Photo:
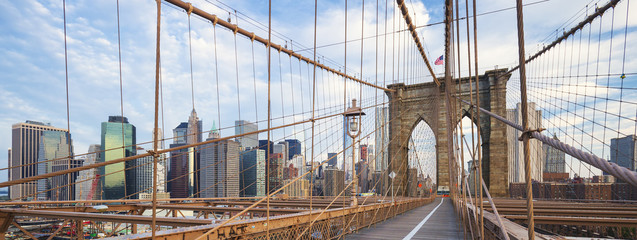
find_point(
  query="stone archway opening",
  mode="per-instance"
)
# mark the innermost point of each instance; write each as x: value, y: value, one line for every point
x: 422, y: 156
x: 469, y: 146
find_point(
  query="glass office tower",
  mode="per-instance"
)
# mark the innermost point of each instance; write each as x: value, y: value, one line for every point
x: 118, y: 141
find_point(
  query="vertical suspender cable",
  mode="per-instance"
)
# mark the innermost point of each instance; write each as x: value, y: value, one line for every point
x: 236, y: 67
x: 475, y: 187
x: 461, y: 208
x: 68, y: 118
x: 345, y: 107
x: 478, y: 146
x: 192, y: 82
x: 448, y: 88
x: 121, y: 99
x: 313, y: 106
x: 525, y: 121
x: 267, y: 164
x: 156, y: 134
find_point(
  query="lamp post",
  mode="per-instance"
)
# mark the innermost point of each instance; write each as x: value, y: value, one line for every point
x: 353, y: 116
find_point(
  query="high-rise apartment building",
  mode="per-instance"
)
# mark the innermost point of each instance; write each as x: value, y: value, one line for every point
x: 118, y: 141
x: 252, y: 180
x: 555, y: 159
x: 25, y: 146
x: 516, y: 150
x: 220, y: 168
x: 381, y: 138
x: 247, y: 141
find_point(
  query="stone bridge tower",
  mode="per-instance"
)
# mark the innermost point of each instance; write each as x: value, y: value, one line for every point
x: 410, y: 104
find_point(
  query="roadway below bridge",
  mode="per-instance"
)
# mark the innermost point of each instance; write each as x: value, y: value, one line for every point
x: 436, y: 220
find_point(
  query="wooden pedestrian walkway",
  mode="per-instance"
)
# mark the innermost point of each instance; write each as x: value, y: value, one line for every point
x: 419, y: 223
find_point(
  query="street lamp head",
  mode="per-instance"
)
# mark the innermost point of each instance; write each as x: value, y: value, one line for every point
x: 353, y: 115
x: 354, y: 110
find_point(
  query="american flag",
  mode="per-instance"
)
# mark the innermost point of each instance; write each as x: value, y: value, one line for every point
x: 439, y: 61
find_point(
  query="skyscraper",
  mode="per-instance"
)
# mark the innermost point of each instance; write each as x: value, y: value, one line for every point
x: 194, y: 128
x: 363, y: 181
x: 266, y: 146
x: 179, y: 133
x: 118, y: 141
x: 178, y: 162
x: 56, y: 145
x: 332, y: 159
x: 25, y: 143
x: 274, y: 171
x: 252, y: 180
x: 516, y: 150
x: 623, y: 151
x: 250, y: 140
x: 282, y: 148
x: 363, y: 152
x: 294, y: 147
x: 144, y: 174
x: 194, y: 136
x: 334, y: 182
x: 178, y: 172
x: 160, y: 137
x: 555, y: 159
x: 347, y: 146
x: 382, y: 138
x: 220, y: 168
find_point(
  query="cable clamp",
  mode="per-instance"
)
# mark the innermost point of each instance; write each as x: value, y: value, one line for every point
x: 253, y: 36
x: 236, y: 29
x: 529, y: 133
x: 190, y: 8
x: 153, y: 153
x: 214, y: 22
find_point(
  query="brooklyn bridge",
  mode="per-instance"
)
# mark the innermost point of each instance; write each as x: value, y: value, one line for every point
x: 323, y: 120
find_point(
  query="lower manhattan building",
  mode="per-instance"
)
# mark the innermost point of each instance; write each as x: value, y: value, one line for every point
x: 144, y: 174
x: 555, y: 159
x: 219, y: 168
x: 516, y: 149
x: 86, y: 178
x: 623, y: 151
x: 118, y: 141
x: 178, y: 185
x: 334, y: 182
x: 252, y: 177
x: 53, y: 153
x: 25, y: 146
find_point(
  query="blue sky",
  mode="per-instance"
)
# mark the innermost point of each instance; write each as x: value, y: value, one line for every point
x: 32, y: 70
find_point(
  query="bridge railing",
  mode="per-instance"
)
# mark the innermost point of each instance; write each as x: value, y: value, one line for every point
x: 330, y: 224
